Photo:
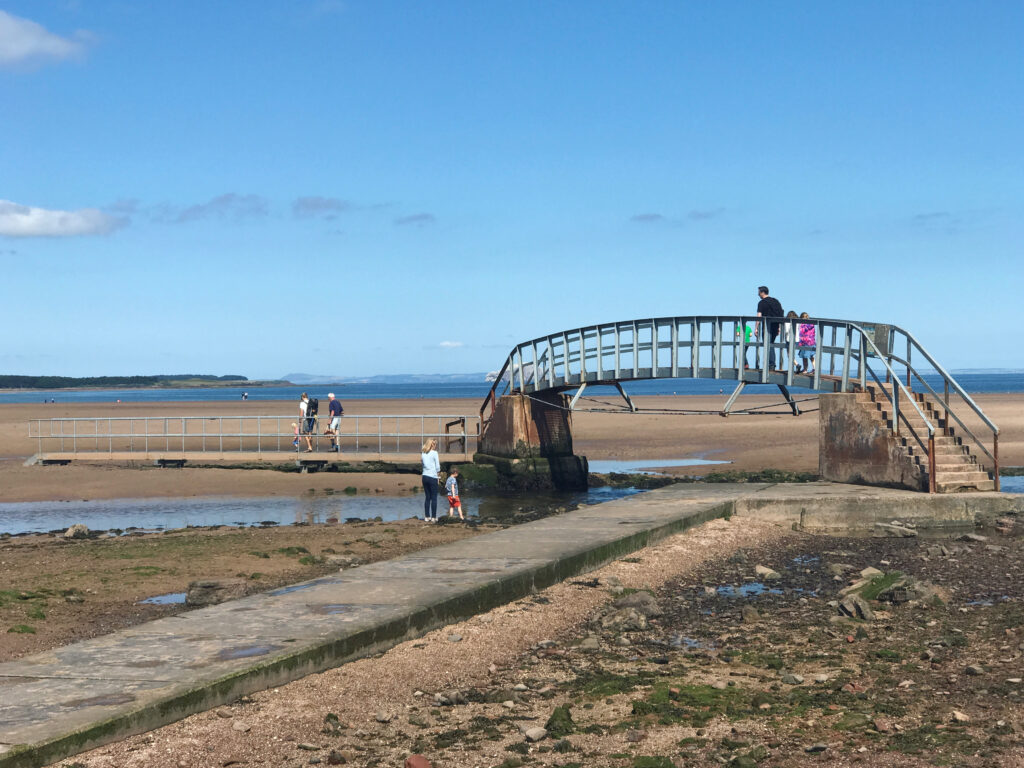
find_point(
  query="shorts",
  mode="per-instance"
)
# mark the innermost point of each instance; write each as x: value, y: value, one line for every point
x: 335, y: 423
x: 308, y: 425
x: 453, y: 501
x: 806, y: 353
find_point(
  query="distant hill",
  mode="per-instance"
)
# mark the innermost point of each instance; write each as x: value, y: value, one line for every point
x: 398, y: 378
x: 114, y: 382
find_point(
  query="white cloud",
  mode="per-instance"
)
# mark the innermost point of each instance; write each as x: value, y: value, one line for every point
x: 25, y: 221
x: 451, y: 344
x: 24, y: 42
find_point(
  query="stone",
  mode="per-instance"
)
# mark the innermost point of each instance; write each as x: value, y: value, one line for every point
x: 589, y: 643
x: 625, y: 620
x: 334, y: 757
x: 417, y: 761
x: 341, y: 562
x: 1013, y: 680
x: 975, y: 537
x: 975, y: 670
x: 870, y: 573
x: 767, y: 574
x: 634, y: 736
x: 212, y: 591
x: 454, y: 638
x: 76, y: 531
x: 383, y: 717
x: 837, y: 569
x: 520, y: 687
x: 749, y: 614
x: 959, y: 717
x: 856, y: 607
x: 791, y: 679
x: 535, y: 734
x: 815, y: 748
x: 822, y: 678
x: 508, y: 704
x: 241, y: 726
x: 643, y: 602
x: 894, y: 531
x: 882, y: 725
x: 719, y: 685
x: 306, y: 747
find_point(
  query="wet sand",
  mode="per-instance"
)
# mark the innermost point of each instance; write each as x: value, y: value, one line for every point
x: 751, y: 442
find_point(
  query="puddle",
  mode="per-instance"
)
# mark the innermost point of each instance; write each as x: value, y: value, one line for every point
x: 171, y: 598
x: 298, y: 587
x: 806, y: 560
x: 645, y: 466
x: 678, y: 641
x: 123, y: 516
x: 246, y: 651
x: 332, y: 609
x: 750, y: 589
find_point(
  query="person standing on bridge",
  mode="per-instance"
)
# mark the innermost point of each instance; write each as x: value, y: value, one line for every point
x: 307, y: 421
x: 431, y: 470
x: 335, y: 411
x: 769, y: 307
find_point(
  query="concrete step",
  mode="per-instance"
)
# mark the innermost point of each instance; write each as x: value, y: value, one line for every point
x: 961, y: 477
x: 965, y: 466
x: 960, y: 487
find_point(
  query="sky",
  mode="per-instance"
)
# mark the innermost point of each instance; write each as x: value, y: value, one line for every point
x: 354, y: 188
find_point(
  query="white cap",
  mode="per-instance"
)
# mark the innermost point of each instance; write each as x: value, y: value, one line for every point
x: 330, y: 394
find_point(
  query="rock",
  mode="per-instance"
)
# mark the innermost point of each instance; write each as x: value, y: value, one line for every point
x: 976, y: 537
x: 1013, y: 680
x: 519, y: 687
x: 560, y: 723
x: 643, y: 602
x: 837, y: 569
x: 76, y: 531
x: 454, y: 638
x: 417, y: 761
x: 634, y: 736
x: 535, y: 734
x: 856, y: 607
x: 241, y: 726
x: 306, y: 747
x: 790, y: 679
x: 749, y: 614
x: 870, y: 573
x: 975, y: 670
x: 212, y: 591
x: 589, y: 643
x: 719, y: 685
x: 894, y: 531
x: 882, y: 725
x: 822, y: 678
x: 342, y: 562
x: 622, y: 641
x: 624, y: 620
x: 611, y: 581
x: 767, y: 574
x: 383, y: 717
x: 815, y: 748
x: 959, y: 717
x: 508, y: 704
x: 334, y: 757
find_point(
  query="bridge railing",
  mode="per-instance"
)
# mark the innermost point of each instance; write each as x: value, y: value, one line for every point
x: 380, y: 434
x: 845, y: 355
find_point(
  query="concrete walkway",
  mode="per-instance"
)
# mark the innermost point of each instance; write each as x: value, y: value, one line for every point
x: 64, y: 701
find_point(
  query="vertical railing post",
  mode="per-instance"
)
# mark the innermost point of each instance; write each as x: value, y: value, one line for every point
x: 931, y: 461
x: 695, y: 352
x: 896, y: 409
x: 675, y: 350
x: 995, y: 459
x: 845, y: 383
x: 863, y: 366
x: 945, y: 400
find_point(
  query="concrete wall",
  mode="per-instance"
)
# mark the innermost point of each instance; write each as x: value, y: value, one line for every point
x: 854, y: 446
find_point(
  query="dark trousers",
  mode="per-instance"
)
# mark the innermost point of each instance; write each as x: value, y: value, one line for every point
x: 773, y: 334
x: 429, y: 497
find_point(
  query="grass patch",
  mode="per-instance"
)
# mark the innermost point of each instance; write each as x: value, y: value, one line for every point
x: 696, y: 704
x: 22, y: 629
x: 599, y: 684
x: 762, y: 660
x: 879, y: 584
x: 296, y: 550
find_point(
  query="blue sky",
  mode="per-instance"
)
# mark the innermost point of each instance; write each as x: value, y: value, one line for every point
x: 358, y: 188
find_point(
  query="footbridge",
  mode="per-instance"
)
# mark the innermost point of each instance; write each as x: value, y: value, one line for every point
x: 889, y: 413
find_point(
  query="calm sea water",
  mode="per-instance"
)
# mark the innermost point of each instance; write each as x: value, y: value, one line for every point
x: 975, y: 382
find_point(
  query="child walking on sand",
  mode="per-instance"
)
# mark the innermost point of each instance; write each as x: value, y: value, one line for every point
x: 451, y: 486
x: 295, y: 430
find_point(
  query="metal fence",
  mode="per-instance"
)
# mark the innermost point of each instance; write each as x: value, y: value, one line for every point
x: 378, y: 434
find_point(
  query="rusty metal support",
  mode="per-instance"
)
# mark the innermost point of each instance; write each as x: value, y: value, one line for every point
x: 995, y: 454
x: 931, y: 462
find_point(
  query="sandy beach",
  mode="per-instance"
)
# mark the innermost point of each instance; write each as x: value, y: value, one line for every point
x: 750, y: 442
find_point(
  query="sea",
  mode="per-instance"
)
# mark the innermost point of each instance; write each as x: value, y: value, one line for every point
x: 974, y: 382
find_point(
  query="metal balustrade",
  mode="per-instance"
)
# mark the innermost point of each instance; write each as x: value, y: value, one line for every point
x: 380, y: 434
x: 847, y: 355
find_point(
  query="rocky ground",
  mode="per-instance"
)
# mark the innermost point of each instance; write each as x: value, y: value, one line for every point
x: 732, y: 644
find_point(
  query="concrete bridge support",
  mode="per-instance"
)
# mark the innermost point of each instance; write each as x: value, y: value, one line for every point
x: 856, y: 446
x: 529, y: 440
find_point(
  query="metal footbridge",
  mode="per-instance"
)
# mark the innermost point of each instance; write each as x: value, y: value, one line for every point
x: 847, y: 356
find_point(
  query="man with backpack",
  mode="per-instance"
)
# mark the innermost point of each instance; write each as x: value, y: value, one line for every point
x: 769, y: 307
x: 307, y: 419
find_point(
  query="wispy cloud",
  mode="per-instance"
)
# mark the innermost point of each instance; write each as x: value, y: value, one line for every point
x: 450, y: 344
x: 227, y: 206
x: 26, y: 221
x: 704, y: 215
x: 931, y: 218
x: 415, y: 220
x: 26, y: 43
x: 319, y: 207
x: 647, y: 218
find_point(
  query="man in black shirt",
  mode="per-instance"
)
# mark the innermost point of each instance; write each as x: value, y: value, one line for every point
x: 769, y: 307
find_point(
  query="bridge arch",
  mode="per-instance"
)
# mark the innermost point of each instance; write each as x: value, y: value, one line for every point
x: 877, y: 360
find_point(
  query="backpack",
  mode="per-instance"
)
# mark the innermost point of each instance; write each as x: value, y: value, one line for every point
x: 313, y: 407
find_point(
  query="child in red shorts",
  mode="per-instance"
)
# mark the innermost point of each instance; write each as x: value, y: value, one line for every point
x: 451, y: 486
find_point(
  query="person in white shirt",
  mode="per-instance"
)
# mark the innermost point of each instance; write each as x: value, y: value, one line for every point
x: 431, y: 470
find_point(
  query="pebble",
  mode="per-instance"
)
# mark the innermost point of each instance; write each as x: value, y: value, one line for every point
x: 767, y: 573
x: 241, y: 726
x: 509, y: 704
x: 975, y: 670
x: 383, y: 717
x: 823, y: 678
x: 535, y: 734
x: 417, y: 761
x: 455, y: 638
x: 870, y: 573
x: 334, y: 757
x: 790, y: 679
x: 306, y: 747
x: 519, y: 687
x: 814, y: 748
x: 719, y: 685
x: 1013, y: 680
x: 959, y: 717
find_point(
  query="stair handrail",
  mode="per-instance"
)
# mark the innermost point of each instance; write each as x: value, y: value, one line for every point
x: 950, y: 382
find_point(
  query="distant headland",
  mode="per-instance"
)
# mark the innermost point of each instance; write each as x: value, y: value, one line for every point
x: 131, y: 382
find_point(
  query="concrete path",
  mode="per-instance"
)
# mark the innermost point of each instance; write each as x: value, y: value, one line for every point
x: 64, y: 701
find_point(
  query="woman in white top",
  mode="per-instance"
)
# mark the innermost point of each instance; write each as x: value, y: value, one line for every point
x: 431, y: 469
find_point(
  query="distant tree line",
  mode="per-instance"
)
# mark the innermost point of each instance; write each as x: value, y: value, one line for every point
x: 66, y: 382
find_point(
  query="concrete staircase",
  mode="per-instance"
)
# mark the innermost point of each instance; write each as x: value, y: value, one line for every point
x: 956, y: 468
